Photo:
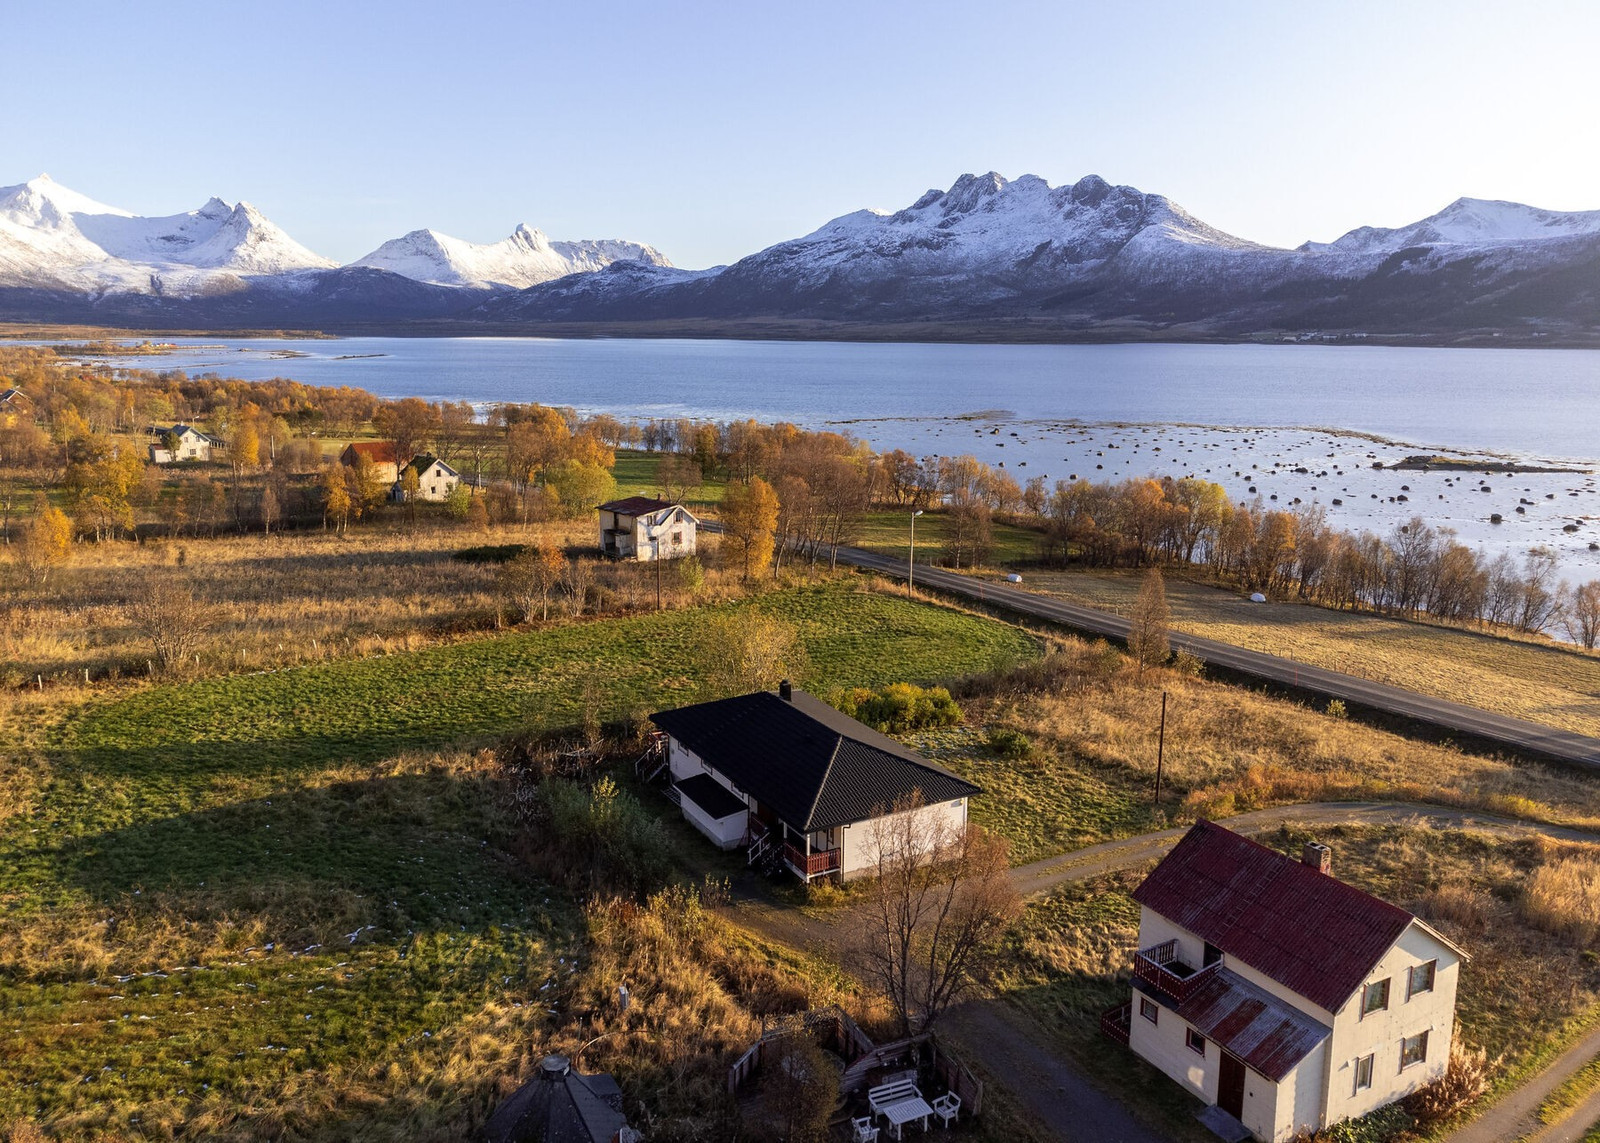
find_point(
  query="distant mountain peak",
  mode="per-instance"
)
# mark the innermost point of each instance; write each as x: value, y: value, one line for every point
x: 525, y: 258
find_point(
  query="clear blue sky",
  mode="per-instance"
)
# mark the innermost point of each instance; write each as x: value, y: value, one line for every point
x: 713, y: 129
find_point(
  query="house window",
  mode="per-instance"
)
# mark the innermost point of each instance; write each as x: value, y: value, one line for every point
x: 1413, y: 1050
x: 1420, y: 978
x: 677, y: 537
x: 1211, y: 955
x: 1196, y: 1042
x: 1375, y: 997
x: 1364, y: 1073
x: 1148, y: 1010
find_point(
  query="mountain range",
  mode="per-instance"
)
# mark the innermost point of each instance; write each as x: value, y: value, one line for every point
x: 986, y: 257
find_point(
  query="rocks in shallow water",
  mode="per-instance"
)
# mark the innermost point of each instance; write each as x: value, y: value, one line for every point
x: 1495, y: 519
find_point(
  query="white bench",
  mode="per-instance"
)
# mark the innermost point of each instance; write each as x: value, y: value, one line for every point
x: 883, y: 1095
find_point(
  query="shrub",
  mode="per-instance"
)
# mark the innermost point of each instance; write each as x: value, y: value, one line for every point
x: 1336, y: 709
x: 489, y: 553
x: 898, y: 707
x: 601, y: 835
x: 1464, y: 1081
x: 1008, y: 743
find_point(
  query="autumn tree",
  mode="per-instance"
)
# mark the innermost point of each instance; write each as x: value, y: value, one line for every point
x: 743, y: 650
x: 410, y: 422
x: 969, y: 530
x: 46, y: 541
x: 1147, y: 625
x: 337, y: 503
x: 529, y: 580
x: 678, y: 476
x: 940, y: 898
x: 1582, y: 615
x: 750, y: 521
x: 580, y: 486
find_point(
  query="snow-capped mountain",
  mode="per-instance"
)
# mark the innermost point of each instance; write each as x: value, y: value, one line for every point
x: 1469, y: 222
x: 987, y: 257
x: 524, y: 259
x: 53, y: 237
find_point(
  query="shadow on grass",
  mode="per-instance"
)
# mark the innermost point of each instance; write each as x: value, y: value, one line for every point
x: 405, y: 853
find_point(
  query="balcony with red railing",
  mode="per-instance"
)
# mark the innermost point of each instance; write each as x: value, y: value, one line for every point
x: 810, y: 865
x: 1161, y: 968
x: 1116, y: 1023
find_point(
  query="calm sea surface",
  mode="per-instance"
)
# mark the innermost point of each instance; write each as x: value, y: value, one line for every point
x: 1542, y: 402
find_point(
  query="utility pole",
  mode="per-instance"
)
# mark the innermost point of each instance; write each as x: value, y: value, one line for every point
x: 1161, y: 747
x: 911, y: 561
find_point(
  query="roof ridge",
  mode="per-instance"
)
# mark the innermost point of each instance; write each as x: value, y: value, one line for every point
x: 833, y: 756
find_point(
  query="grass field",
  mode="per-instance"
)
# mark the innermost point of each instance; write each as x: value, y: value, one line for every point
x: 1070, y: 958
x: 1557, y: 685
x: 889, y: 533
x: 290, y: 902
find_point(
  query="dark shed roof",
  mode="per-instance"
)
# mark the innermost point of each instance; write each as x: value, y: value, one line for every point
x: 559, y: 1105
x: 636, y: 505
x: 815, y: 767
x: 1308, y: 931
x: 711, y: 796
x: 1263, y: 1031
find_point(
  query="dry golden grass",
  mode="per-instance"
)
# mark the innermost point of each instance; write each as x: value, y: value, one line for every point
x: 1534, y: 679
x: 291, y: 598
x: 1563, y: 898
x: 1230, y: 749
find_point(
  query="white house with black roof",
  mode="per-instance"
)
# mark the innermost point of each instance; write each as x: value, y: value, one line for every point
x: 798, y: 783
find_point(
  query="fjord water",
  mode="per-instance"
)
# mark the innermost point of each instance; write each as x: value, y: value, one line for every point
x: 1290, y: 424
x: 1535, y: 402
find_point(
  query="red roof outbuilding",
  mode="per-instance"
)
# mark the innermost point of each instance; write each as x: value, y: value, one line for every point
x: 378, y: 452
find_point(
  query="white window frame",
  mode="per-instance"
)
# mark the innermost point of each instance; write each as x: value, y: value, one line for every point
x: 1367, y: 1009
x: 1189, y: 1037
x: 1367, y: 1061
x: 1411, y: 978
x: 1149, y: 1009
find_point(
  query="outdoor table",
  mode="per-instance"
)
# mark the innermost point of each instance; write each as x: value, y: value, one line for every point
x: 903, y: 1112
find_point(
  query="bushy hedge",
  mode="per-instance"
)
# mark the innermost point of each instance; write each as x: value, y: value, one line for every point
x: 898, y: 707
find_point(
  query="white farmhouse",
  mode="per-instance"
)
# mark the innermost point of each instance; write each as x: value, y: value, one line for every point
x: 643, y: 528
x: 186, y: 443
x: 798, y: 784
x: 435, y: 479
x: 1279, y: 995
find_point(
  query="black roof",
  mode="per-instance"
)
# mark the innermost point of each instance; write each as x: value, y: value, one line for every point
x: 559, y: 1105
x: 711, y: 796
x: 636, y: 505
x: 815, y: 767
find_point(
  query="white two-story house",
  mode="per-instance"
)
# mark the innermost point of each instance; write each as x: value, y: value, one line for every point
x: 643, y: 528
x: 181, y: 443
x: 1278, y: 994
x: 800, y: 785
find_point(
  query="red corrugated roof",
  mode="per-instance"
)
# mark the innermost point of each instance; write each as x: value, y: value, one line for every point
x: 636, y: 505
x: 378, y: 452
x: 1308, y: 931
x: 1263, y: 1031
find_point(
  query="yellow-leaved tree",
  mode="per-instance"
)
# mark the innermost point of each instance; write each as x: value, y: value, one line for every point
x: 750, y: 520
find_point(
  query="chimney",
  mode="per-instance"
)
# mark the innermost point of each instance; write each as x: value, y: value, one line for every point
x: 553, y: 1068
x: 785, y: 691
x: 1318, y: 856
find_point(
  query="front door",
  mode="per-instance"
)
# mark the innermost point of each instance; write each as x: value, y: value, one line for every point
x: 1230, y: 1086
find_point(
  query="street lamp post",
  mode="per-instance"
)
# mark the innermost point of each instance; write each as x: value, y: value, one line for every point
x: 911, y: 561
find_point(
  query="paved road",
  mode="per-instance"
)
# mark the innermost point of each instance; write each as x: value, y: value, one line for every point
x: 1561, y: 745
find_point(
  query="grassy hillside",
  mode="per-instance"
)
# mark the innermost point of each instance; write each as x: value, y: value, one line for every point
x: 290, y: 901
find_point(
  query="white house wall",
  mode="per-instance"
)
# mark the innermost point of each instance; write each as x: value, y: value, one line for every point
x: 1300, y: 1097
x: 725, y: 833
x: 859, y: 853
x: 1380, y: 1033
x: 1162, y: 1044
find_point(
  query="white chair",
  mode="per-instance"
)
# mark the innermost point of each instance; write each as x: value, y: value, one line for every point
x: 947, y: 1107
x: 865, y: 1132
